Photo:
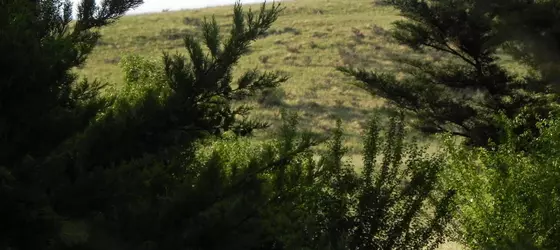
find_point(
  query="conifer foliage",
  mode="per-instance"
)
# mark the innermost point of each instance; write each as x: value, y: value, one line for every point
x: 165, y: 163
x: 533, y: 27
x: 462, y: 94
x: 39, y: 94
x: 105, y: 172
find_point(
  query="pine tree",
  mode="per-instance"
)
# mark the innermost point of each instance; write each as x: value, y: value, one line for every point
x: 41, y: 103
x: 81, y: 170
x: 462, y: 94
x: 40, y: 94
x: 533, y: 27
x: 165, y: 163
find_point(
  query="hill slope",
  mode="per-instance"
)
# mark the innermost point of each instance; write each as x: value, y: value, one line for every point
x: 308, y: 41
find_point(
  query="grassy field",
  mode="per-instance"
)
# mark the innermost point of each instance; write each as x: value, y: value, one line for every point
x: 308, y: 41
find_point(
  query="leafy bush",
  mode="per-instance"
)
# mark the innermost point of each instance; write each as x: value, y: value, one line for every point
x: 395, y: 203
x: 509, y: 198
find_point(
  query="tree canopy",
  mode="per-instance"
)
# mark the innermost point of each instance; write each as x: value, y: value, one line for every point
x: 464, y: 93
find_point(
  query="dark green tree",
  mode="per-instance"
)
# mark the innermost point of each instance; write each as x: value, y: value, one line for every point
x: 163, y: 164
x: 85, y: 171
x: 41, y: 102
x: 39, y: 94
x: 534, y: 30
x: 463, y: 93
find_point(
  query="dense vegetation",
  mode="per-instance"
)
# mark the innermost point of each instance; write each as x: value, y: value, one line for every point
x: 168, y: 160
x: 463, y: 93
x: 510, y: 199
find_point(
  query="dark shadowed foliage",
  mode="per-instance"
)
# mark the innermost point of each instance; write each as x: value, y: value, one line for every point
x: 464, y: 92
x: 165, y: 162
x: 90, y: 171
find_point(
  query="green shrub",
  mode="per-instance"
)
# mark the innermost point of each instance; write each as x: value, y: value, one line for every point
x: 509, y: 198
x: 395, y: 203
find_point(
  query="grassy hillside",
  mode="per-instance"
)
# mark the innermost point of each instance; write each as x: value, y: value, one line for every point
x: 308, y: 41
